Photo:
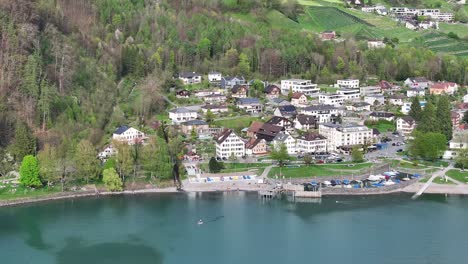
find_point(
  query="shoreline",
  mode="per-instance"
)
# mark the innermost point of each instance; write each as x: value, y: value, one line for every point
x: 433, y: 189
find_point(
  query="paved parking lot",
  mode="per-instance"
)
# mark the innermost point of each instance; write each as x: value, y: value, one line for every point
x: 390, y: 151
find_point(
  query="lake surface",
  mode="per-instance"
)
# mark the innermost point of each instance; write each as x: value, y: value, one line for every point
x: 238, y: 228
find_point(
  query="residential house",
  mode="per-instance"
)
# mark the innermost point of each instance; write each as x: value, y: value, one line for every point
x: 193, y: 125
x: 107, y: 152
x: 311, y: 143
x: 269, y: 131
x: 328, y: 35
x: 345, y: 135
x: 413, y: 92
x: 203, y: 93
x: 305, y: 122
x: 370, y: 90
x: 396, y: 99
x: 190, y: 77
x: 287, y: 111
x: 286, y: 139
x: 228, y: 82
x: 347, y: 83
x: 298, y: 99
x: 239, y: 91
x: 214, y: 77
x: 179, y: 115
x: 253, y: 129
x: 443, y: 88
x: 250, y: 105
x: 255, y: 146
x: 459, y: 141
x: 214, y: 98
x: 331, y: 99
x: 358, y: 107
x: 323, y: 113
x: 456, y: 118
x: 388, y: 87
x: 229, y: 144
x: 272, y: 91
x: 374, y: 99
x: 183, y: 94
x: 382, y: 116
x: 215, y: 108
x: 282, y: 122
x: 405, y: 125
x: 128, y: 135
x: 417, y: 82
x: 350, y: 94
x: 375, y: 44
x: 299, y: 86
x: 378, y: 9
x: 406, y: 107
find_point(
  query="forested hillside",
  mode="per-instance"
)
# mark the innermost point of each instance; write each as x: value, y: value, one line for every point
x: 76, y: 69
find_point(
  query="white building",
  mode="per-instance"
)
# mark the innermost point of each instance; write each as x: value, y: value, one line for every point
x: 413, y: 92
x: 323, y: 113
x: 180, y: 115
x: 406, y: 107
x: 350, y: 94
x: 375, y: 44
x: 331, y: 99
x: 229, y: 144
x: 458, y: 142
x: 129, y: 135
x: 214, y: 77
x: 397, y: 99
x: 107, y: 152
x: 379, y: 9
x: 299, y: 99
x: 405, y: 125
x: 347, y: 83
x: 345, y: 135
x: 370, y: 90
x: 465, y: 98
x: 299, y: 86
x: 311, y: 143
x: 286, y: 139
x: 190, y: 77
x: 417, y: 82
x: 372, y: 99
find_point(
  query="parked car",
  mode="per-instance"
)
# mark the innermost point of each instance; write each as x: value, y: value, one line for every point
x: 339, y: 160
x: 399, y: 150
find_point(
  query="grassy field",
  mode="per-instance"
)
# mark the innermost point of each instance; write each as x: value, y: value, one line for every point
x: 458, y: 175
x: 10, y: 192
x: 318, y: 170
x: 237, y: 167
x: 383, y: 126
x: 236, y: 123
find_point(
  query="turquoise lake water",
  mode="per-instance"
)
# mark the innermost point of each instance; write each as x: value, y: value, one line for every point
x: 238, y: 228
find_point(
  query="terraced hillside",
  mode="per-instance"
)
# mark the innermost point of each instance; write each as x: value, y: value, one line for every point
x: 440, y: 43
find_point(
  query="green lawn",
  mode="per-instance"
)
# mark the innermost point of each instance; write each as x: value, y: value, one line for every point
x: 10, y: 192
x: 458, y: 175
x: 317, y: 170
x: 237, y: 167
x: 383, y: 126
x: 236, y: 123
x: 437, y: 180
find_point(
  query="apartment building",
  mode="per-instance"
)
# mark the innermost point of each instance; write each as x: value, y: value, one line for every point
x: 345, y: 135
x: 229, y: 144
x: 299, y: 86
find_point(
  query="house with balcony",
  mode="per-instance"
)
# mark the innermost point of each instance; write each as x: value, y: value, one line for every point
x: 214, y: 77
x: 229, y: 144
x: 182, y: 114
x: 227, y: 82
x: 331, y: 99
x: 305, y: 122
x: 239, y: 91
x: 190, y: 77
x: 299, y: 86
x: 250, y: 105
x: 405, y: 125
x: 347, y: 83
x: 311, y: 143
x: 350, y: 94
x: 417, y: 82
x: 128, y: 135
x: 348, y: 135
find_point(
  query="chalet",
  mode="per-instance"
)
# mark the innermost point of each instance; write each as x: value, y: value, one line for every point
x: 253, y: 128
x: 250, y: 105
x: 193, y: 125
x: 396, y: 99
x: 283, y: 122
x: 417, y: 82
x: 286, y: 139
x: 215, y: 108
x: 190, y: 77
x: 288, y: 111
x: 382, y: 116
x: 443, y: 88
x: 214, y: 77
x: 405, y: 125
x: 311, y: 143
x: 255, y: 146
x: 413, y: 92
x: 128, y: 135
x: 239, y: 91
x: 305, y: 122
x: 272, y: 91
x: 269, y: 131
x: 229, y: 144
x: 298, y: 99
x: 328, y: 35
x: 183, y: 94
x: 179, y: 115
x: 228, y: 82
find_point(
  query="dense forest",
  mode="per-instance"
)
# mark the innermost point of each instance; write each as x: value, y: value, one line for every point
x: 73, y: 70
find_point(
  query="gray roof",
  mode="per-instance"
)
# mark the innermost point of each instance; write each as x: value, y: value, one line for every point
x: 319, y: 108
x: 248, y: 101
x: 121, y: 129
x: 182, y: 110
x: 195, y: 123
x: 188, y: 74
x: 281, y: 137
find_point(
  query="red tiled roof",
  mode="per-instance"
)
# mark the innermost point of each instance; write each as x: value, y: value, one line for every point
x: 297, y: 95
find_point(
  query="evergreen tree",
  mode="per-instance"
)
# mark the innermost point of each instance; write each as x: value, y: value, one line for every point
x: 444, y: 119
x: 29, y: 172
x: 24, y: 143
x: 46, y: 98
x: 415, y: 111
x: 428, y: 119
x: 214, y: 165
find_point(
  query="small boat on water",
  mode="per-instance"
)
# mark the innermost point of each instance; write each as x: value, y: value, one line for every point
x: 200, y: 222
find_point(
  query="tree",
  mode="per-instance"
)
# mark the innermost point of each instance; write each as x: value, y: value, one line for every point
x: 443, y: 117
x: 244, y: 64
x: 357, y: 155
x: 25, y: 143
x: 428, y: 121
x: 209, y: 116
x: 428, y: 146
x: 31, y: 75
x: 155, y: 158
x: 112, y: 180
x: 462, y: 158
x: 415, y: 111
x: 465, y: 118
x: 123, y: 158
x: 29, y: 172
x: 280, y: 154
x: 87, y: 164
x: 6, y: 162
x: 45, y: 100
x: 308, y: 159
x: 48, y: 165
x: 214, y: 165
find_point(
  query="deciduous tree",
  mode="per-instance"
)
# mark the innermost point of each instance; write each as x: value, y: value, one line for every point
x: 280, y: 155
x: 87, y: 164
x: 112, y: 180
x: 29, y: 172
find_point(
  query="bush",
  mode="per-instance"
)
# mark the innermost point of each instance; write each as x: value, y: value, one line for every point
x: 112, y: 181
